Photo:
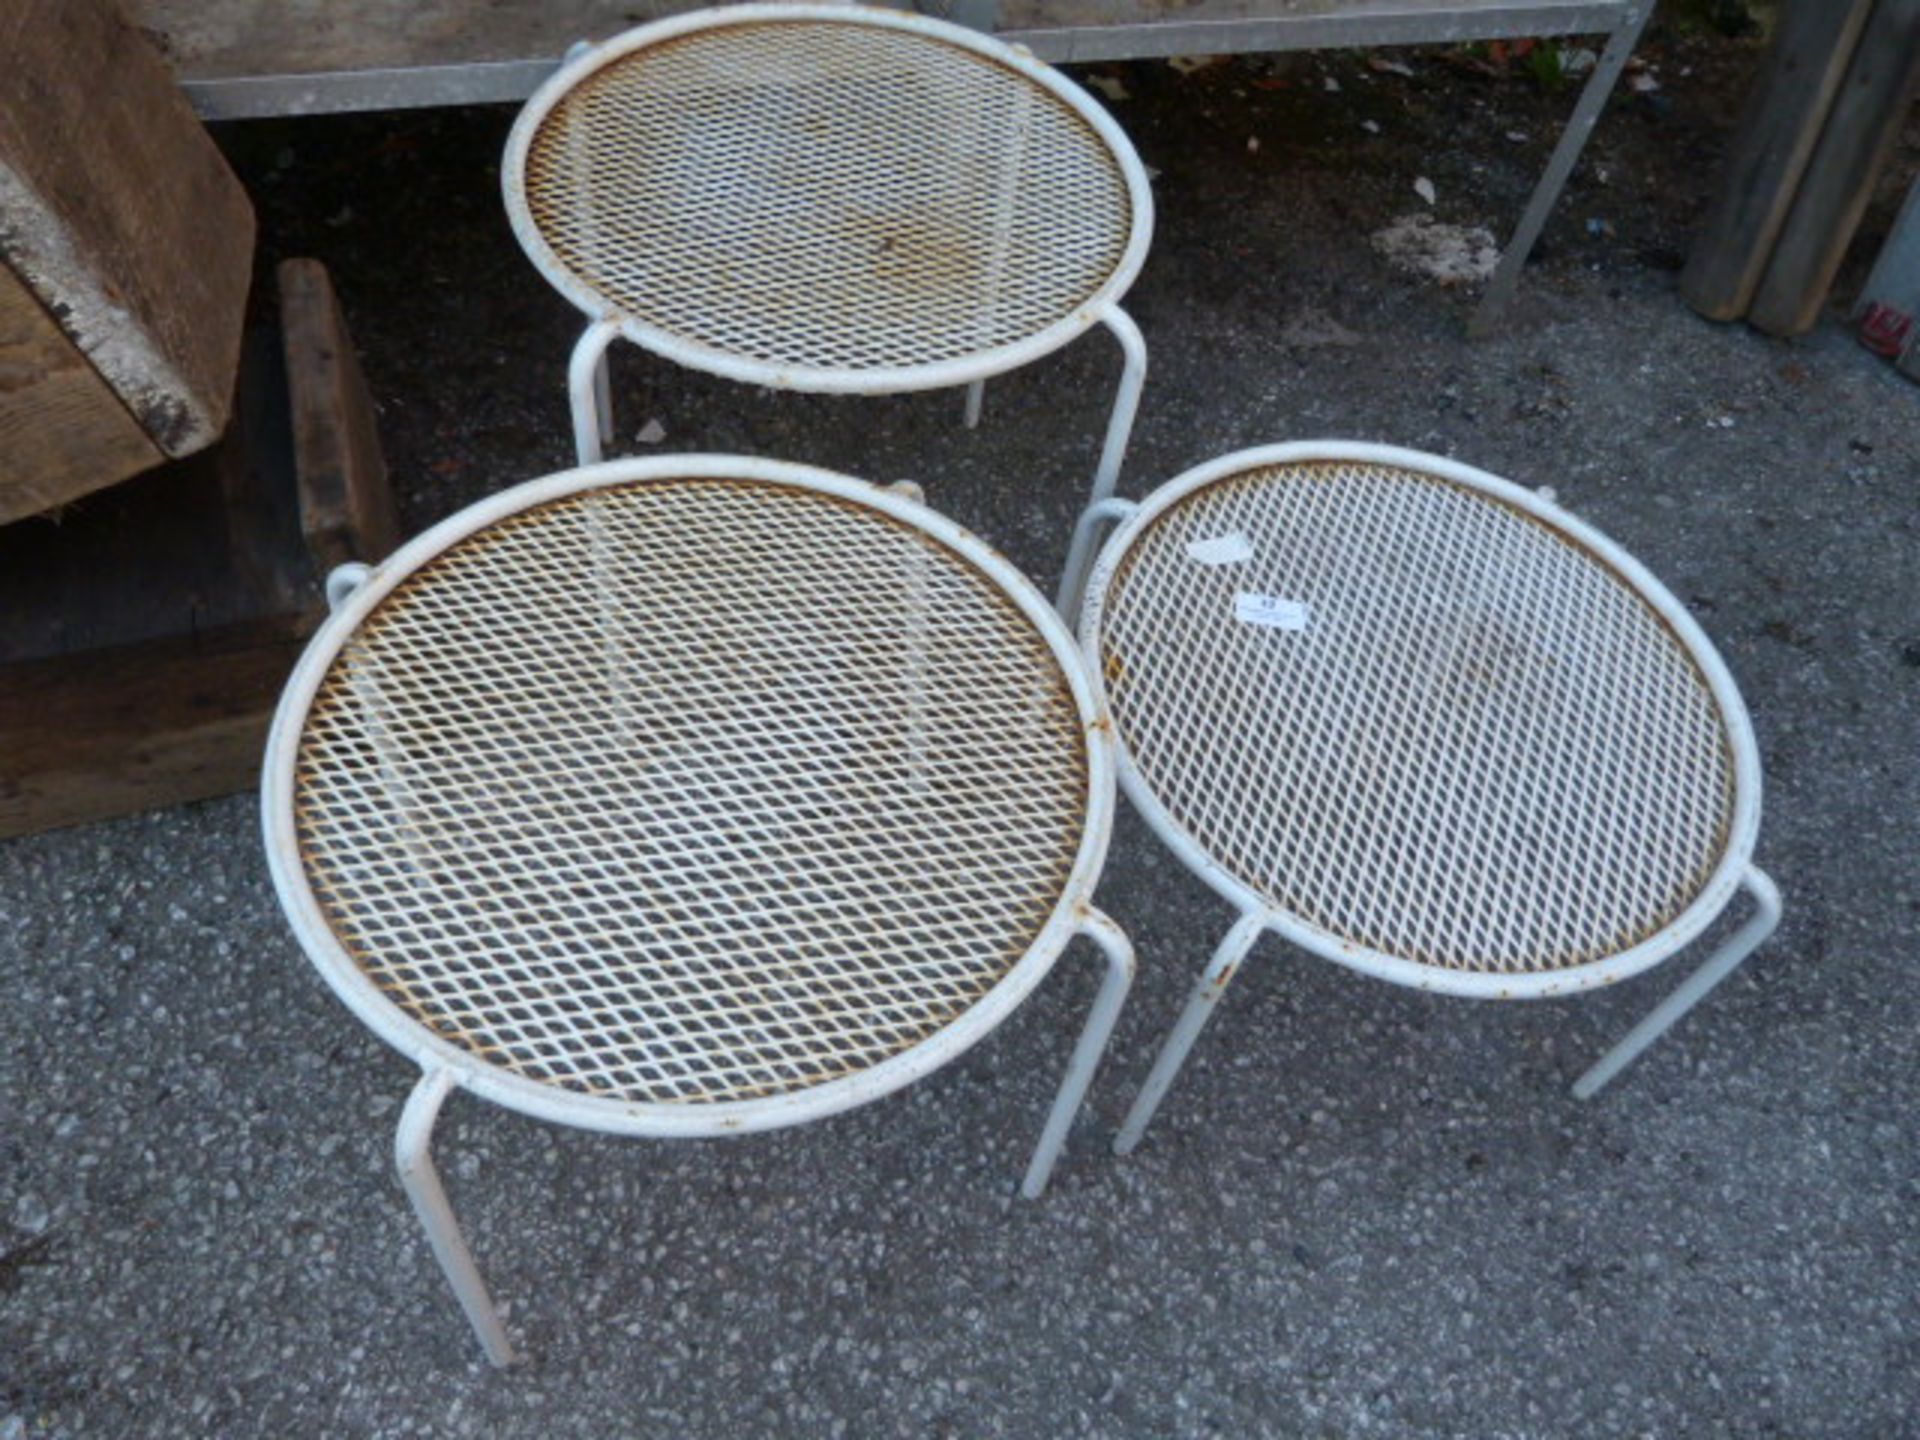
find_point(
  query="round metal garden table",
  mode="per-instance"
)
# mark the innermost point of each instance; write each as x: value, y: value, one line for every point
x: 684, y: 797
x: 1424, y: 723
x: 828, y: 198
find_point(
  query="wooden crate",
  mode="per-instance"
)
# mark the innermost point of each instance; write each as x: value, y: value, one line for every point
x: 126, y: 249
x: 145, y: 632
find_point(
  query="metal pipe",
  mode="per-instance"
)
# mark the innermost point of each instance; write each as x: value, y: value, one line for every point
x: 1742, y: 943
x: 1118, y: 950
x: 583, y: 376
x: 1080, y: 552
x: 1126, y: 400
x: 413, y: 1157
x: 1573, y: 139
x: 1206, y: 994
x: 603, y: 399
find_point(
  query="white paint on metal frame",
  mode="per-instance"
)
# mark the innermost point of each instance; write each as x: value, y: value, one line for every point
x: 530, y: 1097
x: 1728, y: 874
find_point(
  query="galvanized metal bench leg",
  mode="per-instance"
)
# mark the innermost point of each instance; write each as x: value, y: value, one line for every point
x: 586, y: 373
x: 412, y: 1152
x: 1207, y: 991
x: 1073, y: 580
x: 1118, y: 950
x: 1573, y: 140
x: 976, y: 397
x: 1742, y: 943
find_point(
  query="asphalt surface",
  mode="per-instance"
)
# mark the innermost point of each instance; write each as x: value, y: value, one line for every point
x: 1363, y: 1211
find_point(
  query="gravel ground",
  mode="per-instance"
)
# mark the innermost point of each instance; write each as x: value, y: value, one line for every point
x: 1363, y: 1211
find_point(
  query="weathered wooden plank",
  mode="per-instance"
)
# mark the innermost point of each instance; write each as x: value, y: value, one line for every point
x: 63, y: 433
x: 118, y: 212
x: 113, y: 731
x: 1812, y: 46
x: 346, y: 506
x: 1854, y: 144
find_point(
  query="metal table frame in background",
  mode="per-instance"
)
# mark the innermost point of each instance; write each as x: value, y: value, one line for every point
x: 232, y: 55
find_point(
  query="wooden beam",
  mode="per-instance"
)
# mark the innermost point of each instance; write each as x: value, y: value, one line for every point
x: 1771, y: 146
x: 118, y: 212
x: 1860, y: 132
x: 113, y: 731
x: 346, y: 507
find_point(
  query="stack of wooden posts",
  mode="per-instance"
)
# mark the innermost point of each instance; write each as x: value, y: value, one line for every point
x: 1836, y: 88
x: 173, y: 485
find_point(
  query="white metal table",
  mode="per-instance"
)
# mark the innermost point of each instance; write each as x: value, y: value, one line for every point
x: 832, y: 199
x: 685, y: 797
x: 1422, y: 722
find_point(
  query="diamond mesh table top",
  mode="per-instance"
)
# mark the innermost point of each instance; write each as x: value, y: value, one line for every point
x: 824, y: 192
x: 690, y: 790
x: 1423, y: 718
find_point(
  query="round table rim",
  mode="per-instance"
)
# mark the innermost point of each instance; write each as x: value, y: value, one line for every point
x: 823, y: 379
x: 655, y: 1118
x: 1743, y: 825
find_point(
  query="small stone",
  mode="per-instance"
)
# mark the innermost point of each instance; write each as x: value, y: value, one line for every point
x: 30, y: 1213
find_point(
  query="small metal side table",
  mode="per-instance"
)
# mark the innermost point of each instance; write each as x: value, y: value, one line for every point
x: 1425, y: 723
x: 828, y: 198
x: 688, y: 796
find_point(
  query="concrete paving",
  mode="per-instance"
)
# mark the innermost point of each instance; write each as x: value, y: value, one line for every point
x: 1363, y: 1211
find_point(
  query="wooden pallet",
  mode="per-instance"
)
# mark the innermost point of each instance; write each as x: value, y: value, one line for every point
x: 146, y: 630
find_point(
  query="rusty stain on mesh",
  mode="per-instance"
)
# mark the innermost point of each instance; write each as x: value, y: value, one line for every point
x: 636, y: 794
x: 832, y: 195
x: 1484, y: 752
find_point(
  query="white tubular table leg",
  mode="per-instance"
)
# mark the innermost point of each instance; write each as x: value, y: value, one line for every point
x: 1207, y: 991
x: 1073, y: 579
x: 1126, y: 401
x: 1118, y: 950
x: 976, y: 397
x: 1739, y: 945
x: 603, y: 398
x: 584, y: 374
x: 412, y: 1154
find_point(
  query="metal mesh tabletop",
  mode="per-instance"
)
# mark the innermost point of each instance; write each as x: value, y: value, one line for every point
x: 823, y: 192
x: 1426, y: 719
x: 680, y: 791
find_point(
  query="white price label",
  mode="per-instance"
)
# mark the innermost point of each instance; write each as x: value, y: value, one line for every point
x: 1271, y: 611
